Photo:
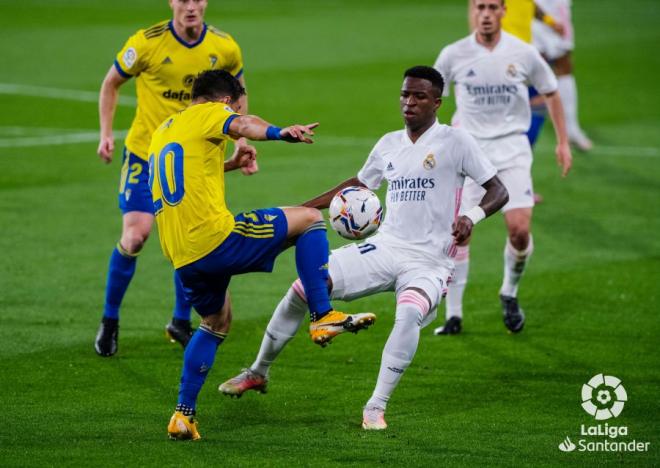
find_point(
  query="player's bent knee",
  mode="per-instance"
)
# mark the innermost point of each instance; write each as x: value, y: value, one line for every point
x: 519, y: 238
x: 313, y: 215
x: 133, y: 240
x: 219, y: 322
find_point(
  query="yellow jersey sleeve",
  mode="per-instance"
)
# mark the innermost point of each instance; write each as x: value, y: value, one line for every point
x: 133, y: 58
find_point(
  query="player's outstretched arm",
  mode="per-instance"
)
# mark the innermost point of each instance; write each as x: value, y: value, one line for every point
x: 107, y: 105
x: 323, y: 201
x: 257, y: 129
x: 563, y: 149
x: 494, y: 199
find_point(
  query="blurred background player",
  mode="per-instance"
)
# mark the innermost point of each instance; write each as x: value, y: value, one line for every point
x: 556, y: 45
x: 518, y: 21
x: 164, y: 58
x: 187, y: 157
x: 491, y: 70
x: 424, y: 166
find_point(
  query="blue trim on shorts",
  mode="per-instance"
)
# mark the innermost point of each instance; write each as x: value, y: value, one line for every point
x: 257, y: 239
x: 134, y: 191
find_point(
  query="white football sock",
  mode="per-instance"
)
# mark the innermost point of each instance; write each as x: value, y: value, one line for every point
x: 399, y: 350
x: 568, y: 95
x: 456, y: 287
x: 514, y: 266
x: 283, y: 325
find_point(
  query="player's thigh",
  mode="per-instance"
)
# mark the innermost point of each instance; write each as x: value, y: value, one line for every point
x: 518, y: 182
x: 137, y: 223
x: 563, y: 65
x: 518, y: 222
x: 358, y: 270
x: 205, y: 290
x: 299, y: 218
x: 431, y: 279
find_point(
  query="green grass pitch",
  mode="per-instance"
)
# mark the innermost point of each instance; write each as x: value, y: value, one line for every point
x: 483, y: 398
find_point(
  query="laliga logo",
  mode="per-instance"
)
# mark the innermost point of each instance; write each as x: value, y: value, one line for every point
x: 603, y: 397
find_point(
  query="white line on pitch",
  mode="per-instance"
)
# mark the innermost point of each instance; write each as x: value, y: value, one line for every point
x: 53, y: 136
x: 55, y: 139
x: 58, y: 93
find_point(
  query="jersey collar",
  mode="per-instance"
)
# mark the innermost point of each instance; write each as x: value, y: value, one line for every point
x: 184, y: 43
x: 473, y: 40
x: 427, y: 135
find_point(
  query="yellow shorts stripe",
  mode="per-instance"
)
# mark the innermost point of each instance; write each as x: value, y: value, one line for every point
x: 256, y: 227
x: 256, y: 236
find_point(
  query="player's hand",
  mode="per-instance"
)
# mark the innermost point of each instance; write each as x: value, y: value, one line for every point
x: 106, y: 148
x: 559, y: 29
x: 298, y: 133
x: 245, y: 158
x: 462, y: 229
x: 564, y: 158
x: 250, y: 165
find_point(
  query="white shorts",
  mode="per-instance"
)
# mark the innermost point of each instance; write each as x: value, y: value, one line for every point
x: 551, y: 45
x: 359, y: 270
x: 512, y: 156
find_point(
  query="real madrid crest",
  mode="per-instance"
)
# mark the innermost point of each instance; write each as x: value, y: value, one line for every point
x: 511, y: 71
x: 429, y: 162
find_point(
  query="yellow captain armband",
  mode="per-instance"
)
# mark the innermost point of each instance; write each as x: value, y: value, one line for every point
x: 549, y: 20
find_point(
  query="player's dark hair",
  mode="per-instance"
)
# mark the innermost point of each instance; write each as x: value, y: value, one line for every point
x: 213, y: 84
x: 429, y: 74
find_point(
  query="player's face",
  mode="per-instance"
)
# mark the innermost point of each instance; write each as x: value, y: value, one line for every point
x: 419, y: 102
x: 188, y: 13
x: 488, y: 16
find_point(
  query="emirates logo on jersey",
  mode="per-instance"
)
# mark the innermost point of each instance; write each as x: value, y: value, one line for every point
x: 429, y: 162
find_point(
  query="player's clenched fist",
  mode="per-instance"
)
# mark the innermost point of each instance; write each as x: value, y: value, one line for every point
x: 461, y: 229
x: 106, y: 148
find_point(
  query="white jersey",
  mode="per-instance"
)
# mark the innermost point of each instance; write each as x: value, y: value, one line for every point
x: 424, y: 184
x: 492, y: 99
x: 560, y: 10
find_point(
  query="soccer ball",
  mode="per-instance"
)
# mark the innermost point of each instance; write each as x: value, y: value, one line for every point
x: 355, y: 213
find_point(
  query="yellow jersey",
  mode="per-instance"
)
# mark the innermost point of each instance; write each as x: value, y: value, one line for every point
x: 165, y: 67
x: 518, y: 19
x: 186, y: 176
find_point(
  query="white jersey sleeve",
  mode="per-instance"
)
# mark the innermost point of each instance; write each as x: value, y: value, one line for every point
x: 371, y: 173
x: 474, y: 162
x: 443, y: 66
x: 541, y: 75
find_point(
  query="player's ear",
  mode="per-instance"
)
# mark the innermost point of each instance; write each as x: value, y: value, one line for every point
x: 438, y: 103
